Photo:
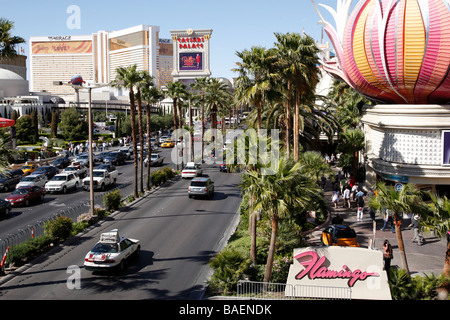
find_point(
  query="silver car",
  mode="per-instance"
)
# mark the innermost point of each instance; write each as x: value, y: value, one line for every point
x: 202, y: 187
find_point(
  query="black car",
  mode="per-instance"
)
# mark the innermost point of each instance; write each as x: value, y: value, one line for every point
x: 100, y: 157
x: 61, y: 163
x: 5, y: 207
x: 9, y: 179
x: 49, y: 171
x: 115, y: 158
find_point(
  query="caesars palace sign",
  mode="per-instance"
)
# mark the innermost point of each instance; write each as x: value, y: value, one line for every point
x: 357, y: 272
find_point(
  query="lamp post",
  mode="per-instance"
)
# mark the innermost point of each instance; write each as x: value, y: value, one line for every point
x: 91, y: 86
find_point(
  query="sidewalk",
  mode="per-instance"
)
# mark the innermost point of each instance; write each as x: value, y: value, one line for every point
x: 425, y: 259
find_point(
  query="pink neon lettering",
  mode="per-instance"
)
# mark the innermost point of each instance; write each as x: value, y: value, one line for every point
x: 315, y: 269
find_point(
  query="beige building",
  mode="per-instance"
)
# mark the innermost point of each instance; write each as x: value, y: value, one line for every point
x: 96, y: 57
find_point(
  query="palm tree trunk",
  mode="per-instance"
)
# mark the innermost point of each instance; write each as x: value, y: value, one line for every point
x: 133, y: 136
x: 141, y: 141
x: 401, y: 245
x: 271, y: 253
x: 149, y: 146
x: 288, y: 122
x: 296, y: 128
x: 175, y: 113
x: 253, y: 233
x: 446, y: 270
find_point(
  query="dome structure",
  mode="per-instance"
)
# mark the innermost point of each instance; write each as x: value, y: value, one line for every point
x: 393, y: 51
x: 12, y: 85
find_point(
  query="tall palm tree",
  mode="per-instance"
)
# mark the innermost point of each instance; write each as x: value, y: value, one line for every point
x: 279, y: 193
x: 176, y: 90
x: 217, y: 98
x: 351, y: 142
x: 405, y: 200
x: 7, y: 41
x: 151, y: 95
x: 439, y: 222
x: 256, y: 67
x: 128, y: 78
x: 297, y: 62
x: 200, y: 85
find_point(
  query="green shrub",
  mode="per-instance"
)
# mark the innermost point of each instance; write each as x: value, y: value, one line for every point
x: 229, y: 266
x: 28, y: 249
x: 59, y: 229
x: 111, y: 201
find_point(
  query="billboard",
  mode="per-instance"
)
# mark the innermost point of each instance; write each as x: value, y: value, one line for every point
x: 61, y: 47
x: 446, y: 148
x: 191, y: 61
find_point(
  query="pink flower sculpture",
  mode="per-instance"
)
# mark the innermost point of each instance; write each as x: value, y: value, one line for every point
x: 393, y: 51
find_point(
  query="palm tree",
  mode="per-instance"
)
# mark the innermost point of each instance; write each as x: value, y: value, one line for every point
x: 405, y: 200
x: 201, y: 85
x: 217, y: 98
x: 279, y: 193
x: 8, y: 42
x: 256, y: 67
x: 128, y: 78
x: 150, y: 95
x: 176, y: 90
x: 352, y: 141
x: 439, y: 222
x: 314, y: 165
x: 297, y: 62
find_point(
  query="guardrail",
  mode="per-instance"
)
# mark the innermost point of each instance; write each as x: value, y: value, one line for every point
x: 254, y: 290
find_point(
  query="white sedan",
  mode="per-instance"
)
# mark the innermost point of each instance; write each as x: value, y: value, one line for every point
x: 111, y: 252
x: 191, y: 170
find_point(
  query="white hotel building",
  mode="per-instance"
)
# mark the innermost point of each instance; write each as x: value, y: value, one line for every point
x: 97, y: 56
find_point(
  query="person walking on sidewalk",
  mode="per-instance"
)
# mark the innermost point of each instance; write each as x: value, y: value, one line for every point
x: 388, y: 255
x: 347, y: 197
x: 360, y: 211
x: 387, y: 217
x: 335, y: 198
x: 415, y: 226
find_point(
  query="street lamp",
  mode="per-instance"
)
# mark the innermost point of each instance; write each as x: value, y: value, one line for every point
x: 77, y: 86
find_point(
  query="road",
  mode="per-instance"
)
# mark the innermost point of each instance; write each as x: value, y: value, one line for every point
x: 178, y: 237
x: 22, y: 217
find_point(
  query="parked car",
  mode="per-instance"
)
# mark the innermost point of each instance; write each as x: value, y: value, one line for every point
x: 107, y: 166
x: 100, y: 157
x: 162, y: 139
x: 28, y: 168
x: 116, y: 158
x: 126, y: 151
x: 339, y: 235
x: 10, y: 179
x: 33, y: 180
x: 63, y: 182
x: 111, y: 252
x: 61, y: 163
x: 191, y: 170
x: 49, y: 171
x: 155, y: 160
x: 82, y: 158
x: 23, y: 196
x: 202, y: 187
x: 79, y: 169
x: 5, y: 207
x: 102, y: 178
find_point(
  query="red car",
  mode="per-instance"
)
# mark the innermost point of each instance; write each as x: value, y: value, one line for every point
x: 25, y: 195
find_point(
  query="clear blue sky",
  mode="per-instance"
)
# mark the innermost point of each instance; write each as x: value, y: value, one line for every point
x: 236, y: 24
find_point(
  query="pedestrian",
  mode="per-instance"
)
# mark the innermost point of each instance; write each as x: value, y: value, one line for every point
x: 347, y: 197
x: 335, y: 198
x: 388, y: 255
x: 360, y: 210
x: 415, y: 226
x: 354, y: 190
x: 387, y: 217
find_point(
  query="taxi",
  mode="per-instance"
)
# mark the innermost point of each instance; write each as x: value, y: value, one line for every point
x: 111, y: 252
x: 28, y: 168
x: 339, y: 235
x: 168, y: 144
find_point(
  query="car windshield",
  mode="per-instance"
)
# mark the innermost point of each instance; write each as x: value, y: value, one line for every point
x: 105, y: 248
x: 98, y: 174
x: 25, y: 179
x: 345, y: 233
x: 26, y: 167
x: 198, y: 183
x: 21, y: 191
x: 189, y: 168
x: 71, y: 169
x: 59, y: 178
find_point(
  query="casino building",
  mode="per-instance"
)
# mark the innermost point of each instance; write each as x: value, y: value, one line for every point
x: 97, y: 56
